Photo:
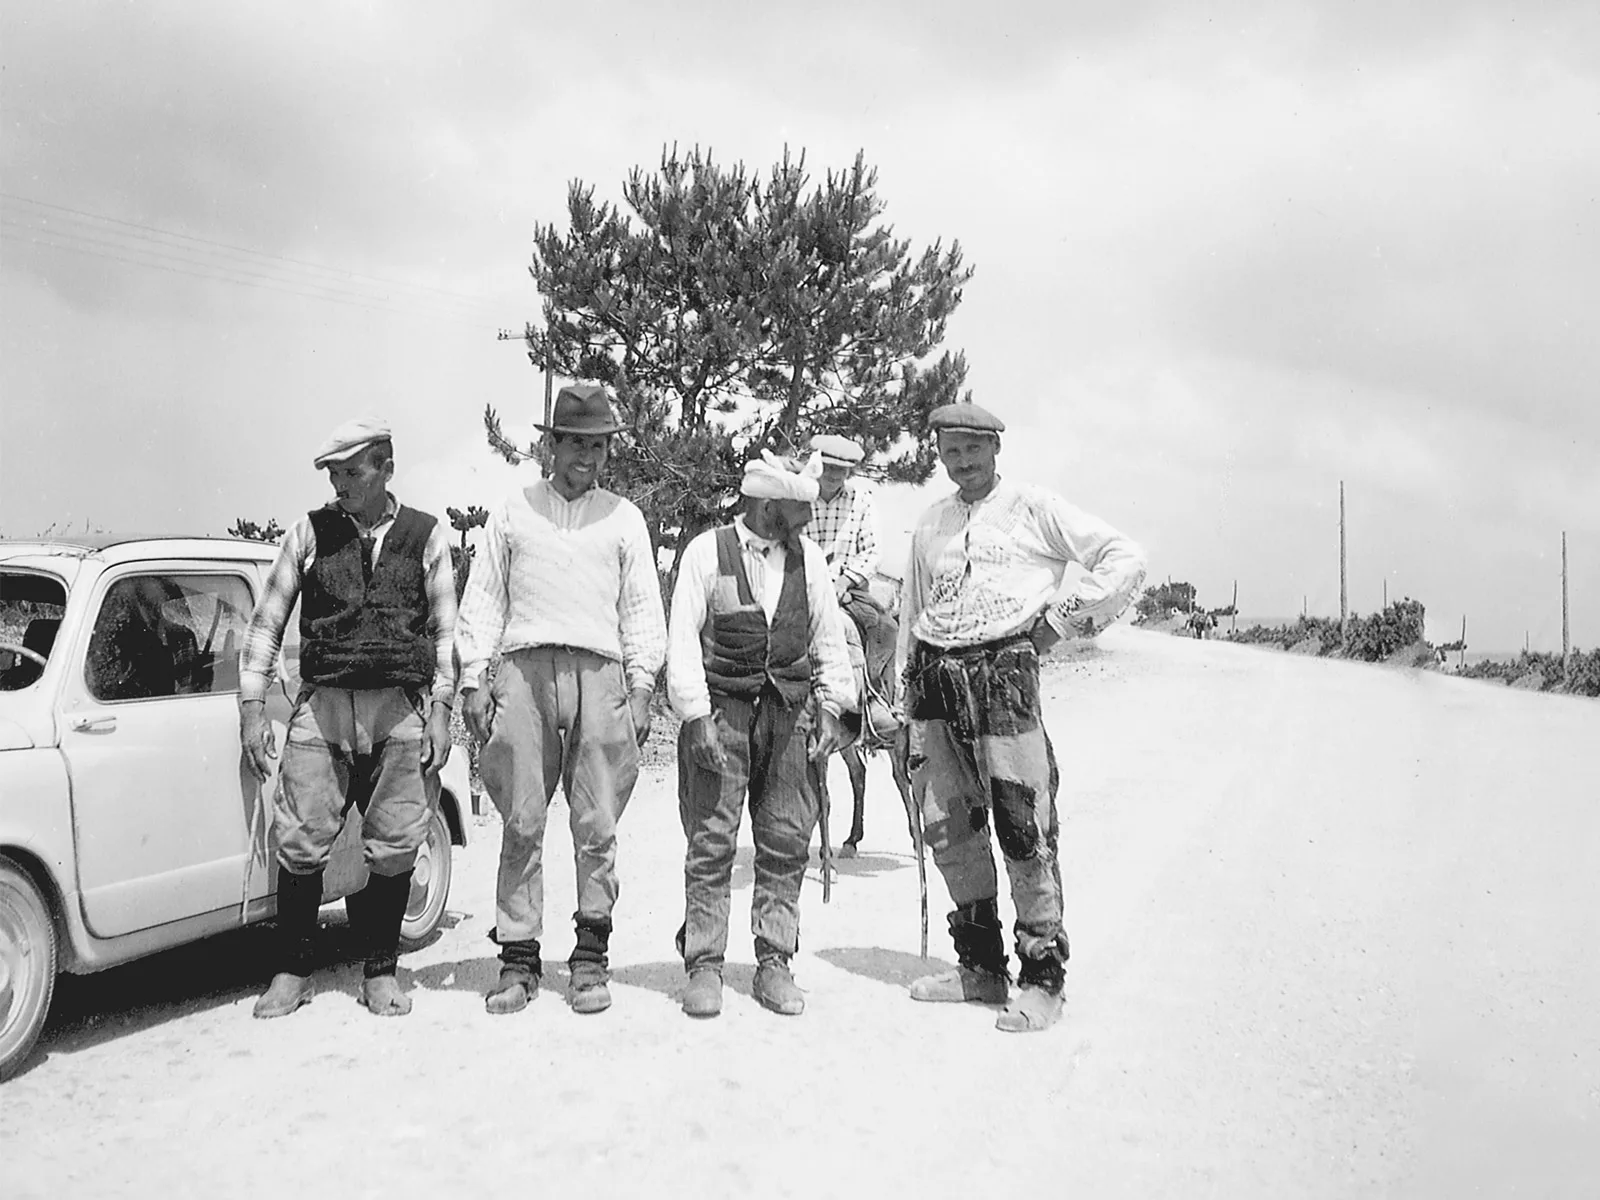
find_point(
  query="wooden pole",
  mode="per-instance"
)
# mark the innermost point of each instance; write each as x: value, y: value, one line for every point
x: 1344, y: 596
x: 1462, y: 661
x: 1385, y: 591
x: 1233, y: 621
x: 1566, y: 639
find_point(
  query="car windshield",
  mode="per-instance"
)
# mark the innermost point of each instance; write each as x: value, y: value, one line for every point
x: 31, y: 605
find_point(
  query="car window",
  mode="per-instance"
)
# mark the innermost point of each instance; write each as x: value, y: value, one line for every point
x: 31, y: 607
x: 162, y: 634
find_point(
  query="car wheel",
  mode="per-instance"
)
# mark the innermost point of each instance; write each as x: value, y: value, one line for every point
x: 430, y: 886
x: 27, y: 965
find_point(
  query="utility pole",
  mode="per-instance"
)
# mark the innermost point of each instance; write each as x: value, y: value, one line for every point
x: 1344, y: 598
x: 1385, y: 591
x: 1233, y: 619
x: 1566, y: 639
x: 1462, y: 661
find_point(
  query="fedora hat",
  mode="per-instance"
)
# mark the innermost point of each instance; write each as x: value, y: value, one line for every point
x: 582, y: 408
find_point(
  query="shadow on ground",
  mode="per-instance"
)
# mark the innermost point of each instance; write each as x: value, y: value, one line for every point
x: 90, y: 1010
x: 886, y: 966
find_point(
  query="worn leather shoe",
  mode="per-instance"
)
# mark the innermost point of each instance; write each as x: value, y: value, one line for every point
x: 1032, y: 1011
x: 586, y: 988
x: 703, y: 996
x: 776, y: 989
x: 381, y: 996
x: 962, y: 985
x: 517, y: 986
x: 285, y: 994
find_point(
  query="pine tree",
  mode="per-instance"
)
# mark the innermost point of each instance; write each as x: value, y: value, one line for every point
x: 731, y: 314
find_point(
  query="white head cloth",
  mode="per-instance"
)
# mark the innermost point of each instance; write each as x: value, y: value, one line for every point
x: 774, y: 478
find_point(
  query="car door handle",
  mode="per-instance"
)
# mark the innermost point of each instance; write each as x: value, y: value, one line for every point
x: 104, y: 723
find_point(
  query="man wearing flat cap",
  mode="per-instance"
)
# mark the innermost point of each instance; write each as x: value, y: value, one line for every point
x: 982, y: 600
x: 371, y: 725
x: 565, y: 587
x: 844, y: 521
x: 758, y: 671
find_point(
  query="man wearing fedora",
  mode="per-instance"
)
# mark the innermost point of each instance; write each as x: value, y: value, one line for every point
x: 565, y: 588
x: 758, y: 671
x: 371, y: 725
x: 982, y: 600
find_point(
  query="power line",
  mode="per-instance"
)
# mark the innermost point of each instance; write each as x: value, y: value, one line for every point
x: 218, y: 274
x: 146, y: 231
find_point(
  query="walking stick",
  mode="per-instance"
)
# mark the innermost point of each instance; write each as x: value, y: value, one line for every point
x: 820, y: 777
x: 899, y: 757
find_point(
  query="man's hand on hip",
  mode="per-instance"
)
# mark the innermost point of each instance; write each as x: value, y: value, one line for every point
x: 705, y: 747
x: 1043, y: 635
x: 477, y: 708
x: 255, y: 735
x: 436, y: 742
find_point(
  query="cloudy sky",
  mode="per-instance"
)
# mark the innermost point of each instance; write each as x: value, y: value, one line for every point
x: 1227, y: 256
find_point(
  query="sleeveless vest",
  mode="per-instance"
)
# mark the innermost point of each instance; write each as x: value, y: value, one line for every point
x: 364, y: 624
x: 742, y: 653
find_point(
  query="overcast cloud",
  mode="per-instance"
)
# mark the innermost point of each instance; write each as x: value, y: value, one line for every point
x: 1225, y: 258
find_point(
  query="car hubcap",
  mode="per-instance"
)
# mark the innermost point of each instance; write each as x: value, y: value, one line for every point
x: 421, y: 880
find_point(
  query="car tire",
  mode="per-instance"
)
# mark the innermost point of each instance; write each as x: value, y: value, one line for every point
x: 430, y: 886
x: 27, y: 965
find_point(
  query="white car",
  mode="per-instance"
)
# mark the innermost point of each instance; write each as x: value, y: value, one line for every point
x: 129, y: 822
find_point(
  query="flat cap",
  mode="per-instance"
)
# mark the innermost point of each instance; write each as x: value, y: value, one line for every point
x: 351, y: 438
x: 969, y: 418
x: 835, y: 448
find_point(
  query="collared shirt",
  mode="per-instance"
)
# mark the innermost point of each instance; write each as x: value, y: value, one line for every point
x: 764, y: 563
x: 258, y: 660
x: 559, y: 572
x: 983, y: 571
x: 846, y: 528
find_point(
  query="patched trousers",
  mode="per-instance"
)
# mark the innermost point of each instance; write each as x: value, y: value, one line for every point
x: 979, y: 751
x: 765, y: 741
x: 561, y: 716
x: 347, y: 747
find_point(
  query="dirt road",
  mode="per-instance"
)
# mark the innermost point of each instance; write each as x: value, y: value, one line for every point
x: 1333, y: 934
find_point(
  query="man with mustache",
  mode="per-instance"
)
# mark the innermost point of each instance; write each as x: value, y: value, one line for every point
x: 566, y: 587
x: 371, y: 725
x: 758, y: 671
x: 982, y: 601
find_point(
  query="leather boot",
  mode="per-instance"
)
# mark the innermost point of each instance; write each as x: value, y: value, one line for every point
x: 383, y: 910
x: 520, y: 969
x: 299, y: 897
x: 586, y: 983
x: 981, y: 976
x: 776, y: 989
x: 1038, y: 1003
x: 703, y: 996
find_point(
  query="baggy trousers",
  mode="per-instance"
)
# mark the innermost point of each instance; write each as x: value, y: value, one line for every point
x: 561, y: 715
x: 979, y: 749
x: 765, y: 741
x: 361, y: 747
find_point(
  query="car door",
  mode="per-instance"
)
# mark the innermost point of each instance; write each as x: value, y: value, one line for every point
x: 162, y: 804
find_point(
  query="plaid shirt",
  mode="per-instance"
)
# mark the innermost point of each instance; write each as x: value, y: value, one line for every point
x: 846, y: 528
x: 983, y: 571
x: 258, y: 660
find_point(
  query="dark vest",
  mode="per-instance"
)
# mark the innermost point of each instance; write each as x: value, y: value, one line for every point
x: 742, y: 654
x: 364, y: 624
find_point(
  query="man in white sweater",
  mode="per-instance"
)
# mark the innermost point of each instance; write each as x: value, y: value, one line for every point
x: 566, y: 587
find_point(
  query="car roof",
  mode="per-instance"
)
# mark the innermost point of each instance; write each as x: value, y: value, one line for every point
x: 114, y: 548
